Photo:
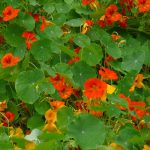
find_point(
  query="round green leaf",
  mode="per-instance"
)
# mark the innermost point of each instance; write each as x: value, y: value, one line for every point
x: 113, y: 111
x: 125, y: 137
x: 41, y: 50
x: 64, y: 118
x: 81, y: 72
x: 88, y: 131
x: 41, y: 107
x: 49, y: 8
x: 82, y: 40
x: 26, y: 21
x: 62, y: 8
x: 46, y: 87
x: 63, y: 69
x: 92, y: 54
x: 27, y: 87
x: 134, y: 61
x: 5, y: 143
x: 75, y: 22
x: 13, y: 36
x: 96, y: 33
x: 52, y: 32
x: 35, y: 121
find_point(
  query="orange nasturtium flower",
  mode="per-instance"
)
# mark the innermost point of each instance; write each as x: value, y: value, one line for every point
x: 51, y: 116
x: 86, y: 26
x: 115, y: 37
x: 3, y: 106
x: 9, y: 13
x: 116, y: 146
x: 137, y: 82
x: 57, y: 104
x: 108, y: 74
x: 94, y: 88
x: 45, y: 23
x: 30, y: 38
x: 146, y: 147
x: 9, y: 60
x: 143, y: 5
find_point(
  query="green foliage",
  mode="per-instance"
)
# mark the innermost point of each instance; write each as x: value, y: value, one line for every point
x: 88, y: 131
x: 43, y: 97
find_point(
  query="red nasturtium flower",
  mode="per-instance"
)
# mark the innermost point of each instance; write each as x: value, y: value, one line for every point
x: 123, y: 21
x: 9, y: 60
x: 36, y: 17
x: 10, y: 117
x: 74, y: 59
x: 58, y: 82
x: 87, y: 2
x: 77, y: 50
x: 30, y: 38
x: 134, y: 106
x: 66, y: 92
x: 45, y: 23
x: 10, y: 13
x: 126, y: 4
x: 94, y: 88
x: 108, y: 74
x: 143, y: 5
x: 102, y: 21
x: 112, y: 14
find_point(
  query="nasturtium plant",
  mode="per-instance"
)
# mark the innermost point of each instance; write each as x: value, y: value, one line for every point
x: 74, y: 74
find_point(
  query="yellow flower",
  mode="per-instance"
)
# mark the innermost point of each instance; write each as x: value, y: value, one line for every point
x: 16, y: 132
x: 51, y: 127
x: 30, y: 146
x: 137, y: 82
x: 51, y: 116
x: 146, y: 147
x: 116, y: 146
x: 110, y: 90
x: 17, y: 148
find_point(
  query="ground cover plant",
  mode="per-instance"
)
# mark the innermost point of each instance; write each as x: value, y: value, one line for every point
x: 74, y: 75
